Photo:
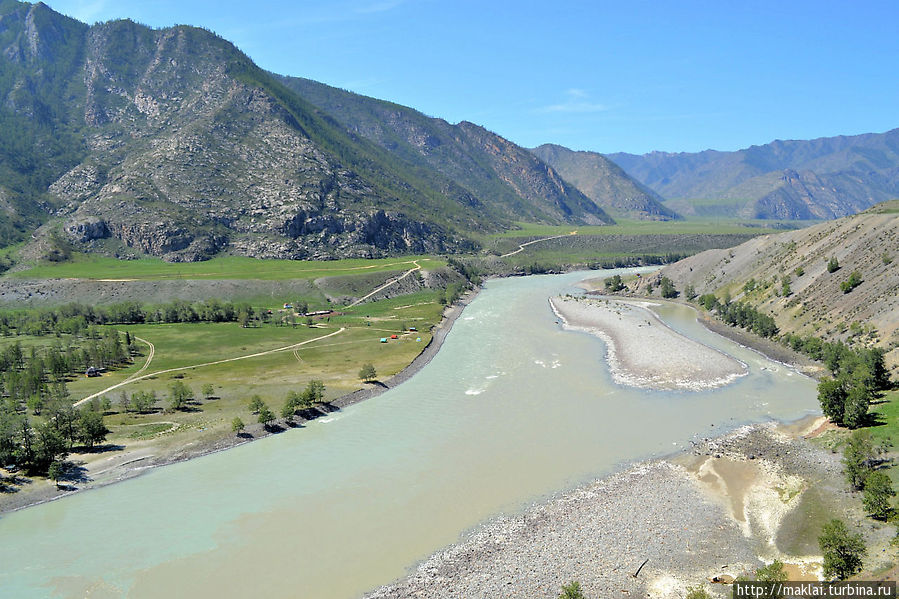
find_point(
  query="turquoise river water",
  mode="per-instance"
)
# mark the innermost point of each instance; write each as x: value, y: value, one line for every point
x: 511, y: 410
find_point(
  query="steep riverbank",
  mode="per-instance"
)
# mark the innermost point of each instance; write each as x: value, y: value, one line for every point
x: 719, y: 509
x: 97, y: 469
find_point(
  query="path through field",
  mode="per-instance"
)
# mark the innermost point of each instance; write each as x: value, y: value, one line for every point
x: 523, y: 245
x: 387, y: 284
x: 133, y: 379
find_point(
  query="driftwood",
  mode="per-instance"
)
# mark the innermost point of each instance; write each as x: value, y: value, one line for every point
x: 637, y: 573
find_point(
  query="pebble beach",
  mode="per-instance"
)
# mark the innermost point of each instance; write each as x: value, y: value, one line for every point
x: 642, y: 351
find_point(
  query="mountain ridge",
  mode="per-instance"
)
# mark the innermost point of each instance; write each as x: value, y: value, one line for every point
x: 822, y: 178
x: 481, y: 161
x: 606, y: 183
x: 173, y: 143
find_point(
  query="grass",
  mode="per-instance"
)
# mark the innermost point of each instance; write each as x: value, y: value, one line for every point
x: 639, y: 227
x: 886, y: 413
x: 335, y: 360
x: 84, y: 266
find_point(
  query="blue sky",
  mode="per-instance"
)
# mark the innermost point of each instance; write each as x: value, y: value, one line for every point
x: 592, y: 75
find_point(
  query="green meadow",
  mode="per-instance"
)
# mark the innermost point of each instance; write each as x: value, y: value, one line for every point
x: 182, y: 349
x: 84, y: 266
x: 720, y: 226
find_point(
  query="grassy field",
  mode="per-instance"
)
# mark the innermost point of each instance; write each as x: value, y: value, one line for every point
x: 641, y: 227
x: 886, y: 413
x: 227, y: 267
x: 335, y: 360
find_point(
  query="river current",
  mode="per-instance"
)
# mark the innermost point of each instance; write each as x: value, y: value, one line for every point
x: 512, y: 410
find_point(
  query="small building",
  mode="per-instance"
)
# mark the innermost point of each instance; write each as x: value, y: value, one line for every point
x: 413, y: 329
x: 91, y: 371
x: 383, y: 339
x: 288, y: 306
x: 394, y: 336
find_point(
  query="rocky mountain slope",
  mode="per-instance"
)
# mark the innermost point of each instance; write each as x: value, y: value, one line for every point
x: 172, y: 143
x: 816, y: 179
x: 505, y: 176
x: 605, y: 183
x: 815, y: 301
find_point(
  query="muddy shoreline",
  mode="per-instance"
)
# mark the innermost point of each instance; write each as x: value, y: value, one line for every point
x: 133, y: 464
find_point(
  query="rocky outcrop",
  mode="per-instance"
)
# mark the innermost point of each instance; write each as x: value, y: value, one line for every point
x: 87, y: 229
x: 77, y: 185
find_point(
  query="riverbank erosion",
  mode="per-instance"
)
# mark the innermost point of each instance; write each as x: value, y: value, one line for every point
x: 111, y: 464
x: 642, y: 351
x: 722, y: 508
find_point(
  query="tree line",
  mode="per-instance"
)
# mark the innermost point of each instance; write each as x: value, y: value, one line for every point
x: 740, y: 314
x: 77, y: 318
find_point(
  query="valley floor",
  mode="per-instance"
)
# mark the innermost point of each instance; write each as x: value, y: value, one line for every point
x: 101, y: 468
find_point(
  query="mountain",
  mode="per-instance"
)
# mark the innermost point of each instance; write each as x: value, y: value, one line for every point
x: 817, y: 179
x: 513, y: 182
x: 171, y: 142
x: 866, y: 243
x: 605, y: 183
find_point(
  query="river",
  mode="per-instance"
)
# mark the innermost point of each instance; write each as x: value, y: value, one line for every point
x: 512, y: 410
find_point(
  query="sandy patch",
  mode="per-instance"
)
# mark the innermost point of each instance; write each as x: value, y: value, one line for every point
x: 644, y: 352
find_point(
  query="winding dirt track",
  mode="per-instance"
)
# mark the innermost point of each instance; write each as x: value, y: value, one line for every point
x: 150, y: 357
x: 523, y: 245
x: 136, y: 378
x: 387, y: 284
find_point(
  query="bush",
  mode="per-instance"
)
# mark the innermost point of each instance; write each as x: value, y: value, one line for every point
x: 852, y: 282
x: 698, y: 593
x: 613, y: 283
x: 572, y: 590
x: 668, y: 289
x: 368, y: 373
x: 858, y: 458
x: 833, y: 265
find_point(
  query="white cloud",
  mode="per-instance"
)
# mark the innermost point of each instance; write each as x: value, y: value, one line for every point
x: 576, y: 101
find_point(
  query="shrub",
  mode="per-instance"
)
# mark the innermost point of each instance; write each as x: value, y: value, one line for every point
x: 833, y: 265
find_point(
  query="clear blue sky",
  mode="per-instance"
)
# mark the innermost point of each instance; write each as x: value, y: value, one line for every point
x: 627, y: 76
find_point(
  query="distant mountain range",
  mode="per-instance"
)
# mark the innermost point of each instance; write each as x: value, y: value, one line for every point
x: 817, y: 179
x: 130, y: 141
x: 126, y: 140
x: 605, y: 183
